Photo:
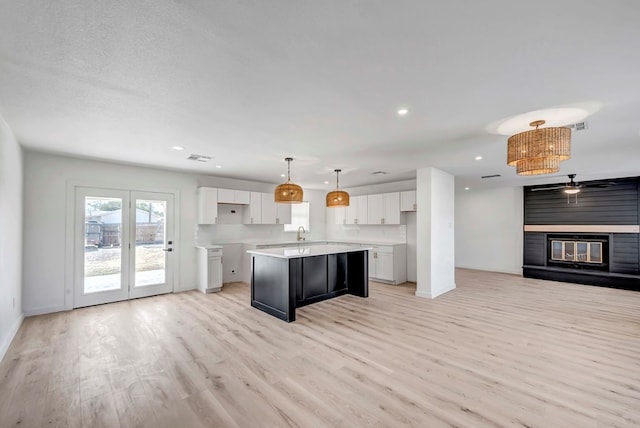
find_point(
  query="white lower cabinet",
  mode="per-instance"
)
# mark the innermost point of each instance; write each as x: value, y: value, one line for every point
x: 209, y: 269
x: 388, y: 263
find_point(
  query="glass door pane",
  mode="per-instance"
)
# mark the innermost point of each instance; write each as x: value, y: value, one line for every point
x: 150, y: 238
x: 102, y: 244
x: 151, y: 257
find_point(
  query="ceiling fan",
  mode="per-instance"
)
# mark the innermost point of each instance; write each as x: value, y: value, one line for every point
x: 573, y: 188
x: 570, y: 188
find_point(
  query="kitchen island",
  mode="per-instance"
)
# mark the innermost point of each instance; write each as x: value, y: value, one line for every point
x: 286, y: 278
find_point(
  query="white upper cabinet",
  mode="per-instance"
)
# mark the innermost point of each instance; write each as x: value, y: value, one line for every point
x: 356, y: 212
x: 253, y: 212
x: 384, y: 208
x: 337, y: 215
x: 207, y: 205
x: 268, y: 209
x: 273, y: 213
x: 227, y: 196
x: 408, y: 201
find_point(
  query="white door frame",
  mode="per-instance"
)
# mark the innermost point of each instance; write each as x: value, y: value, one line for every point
x: 70, y: 226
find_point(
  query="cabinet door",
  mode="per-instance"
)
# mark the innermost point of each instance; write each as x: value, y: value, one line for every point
x: 226, y: 196
x: 215, y: 273
x: 337, y: 215
x: 351, y: 212
x: 268, y: 209
x: 253, y: 212
x: 283, y: 213
x: 207, y: 205
x: 363, y: 215
x: 408, y: 201
x: 384, y: 266
x: 391, y: 204
x: 372, y: 263
x: 242, y: 197
x: 375, y: 211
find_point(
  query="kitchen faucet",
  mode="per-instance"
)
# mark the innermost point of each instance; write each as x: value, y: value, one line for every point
x: 300, y: 237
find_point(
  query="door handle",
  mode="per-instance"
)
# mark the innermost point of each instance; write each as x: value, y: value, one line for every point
x: 167, y: 249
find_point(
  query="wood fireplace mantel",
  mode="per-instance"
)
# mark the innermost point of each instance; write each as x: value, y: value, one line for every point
x: 582, y: 228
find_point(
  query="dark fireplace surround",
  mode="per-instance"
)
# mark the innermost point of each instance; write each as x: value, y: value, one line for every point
x: 595, y: 241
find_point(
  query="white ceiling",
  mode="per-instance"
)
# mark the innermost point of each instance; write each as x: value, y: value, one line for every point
x: 250, y: 82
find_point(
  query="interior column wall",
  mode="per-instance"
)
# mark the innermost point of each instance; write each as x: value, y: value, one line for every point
x: 435, y: 232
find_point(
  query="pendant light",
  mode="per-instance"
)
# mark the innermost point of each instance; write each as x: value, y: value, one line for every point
x: 288, y: 193
x: 540, y: 150
x: 337, y: 198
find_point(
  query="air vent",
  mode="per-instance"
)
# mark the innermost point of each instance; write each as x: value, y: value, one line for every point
x: 491, y: 176
x: 580, y: 126
x: 379, y: 173
x: 199, y: 158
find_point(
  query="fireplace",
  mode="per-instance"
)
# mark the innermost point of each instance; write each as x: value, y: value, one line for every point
x: 578, y: 251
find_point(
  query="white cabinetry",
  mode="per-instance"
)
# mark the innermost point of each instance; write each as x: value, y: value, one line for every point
x: 238, y: 197
x: 337, y: 215
x: 209, y: 269
x: 207, y: 205
x: 253, y: 212
x: 408, y: 201
x: 388, y: 263
x: 384, y: 208
x: 357, y: 210
x: 273, y: 213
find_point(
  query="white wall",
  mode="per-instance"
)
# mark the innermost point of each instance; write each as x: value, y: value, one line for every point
x: 48, y: 267
x: 11, y: 168
x: 489, y: 229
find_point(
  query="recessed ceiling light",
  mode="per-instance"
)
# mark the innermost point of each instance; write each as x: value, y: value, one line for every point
x: 218, y: 166
x: 466, y: 188
x: 326, y: 182
x: 177, y: 148
x: 402, y: 111
x: 478, y: 157
x: 283, y: 175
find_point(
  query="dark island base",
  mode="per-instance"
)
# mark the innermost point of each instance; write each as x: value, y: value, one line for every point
x: 279, y: 286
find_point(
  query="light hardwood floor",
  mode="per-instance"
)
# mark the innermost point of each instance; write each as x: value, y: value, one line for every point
x: 499, y: 350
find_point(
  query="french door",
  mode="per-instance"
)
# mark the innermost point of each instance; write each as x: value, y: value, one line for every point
x: 123, y: 245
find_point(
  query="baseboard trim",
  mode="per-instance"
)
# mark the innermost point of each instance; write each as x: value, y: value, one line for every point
x: 433, y: 295
x: 12, y: 334
x: 49, y: 310
x: 489, y: 269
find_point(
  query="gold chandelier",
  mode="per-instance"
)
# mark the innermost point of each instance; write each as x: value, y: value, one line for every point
x: 539, y: 151
x: 337, y: 198
x: 289, y: 192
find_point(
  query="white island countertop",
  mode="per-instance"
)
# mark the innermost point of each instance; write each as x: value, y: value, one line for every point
x: 306, y: 251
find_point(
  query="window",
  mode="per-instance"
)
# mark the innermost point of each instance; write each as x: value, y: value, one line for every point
x: 299, y: 217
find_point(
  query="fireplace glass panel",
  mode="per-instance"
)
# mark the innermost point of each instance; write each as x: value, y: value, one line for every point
x: 569, y: 250
x: 581, y: 254
x: 556, y: 250
x: 595, y: 252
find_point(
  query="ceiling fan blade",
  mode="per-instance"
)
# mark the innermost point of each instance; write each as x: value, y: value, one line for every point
x: 537, y: 189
